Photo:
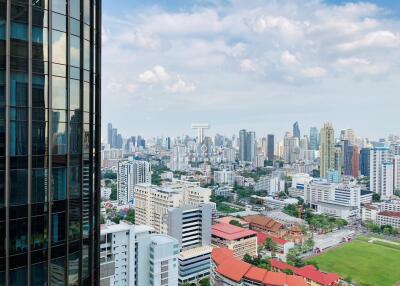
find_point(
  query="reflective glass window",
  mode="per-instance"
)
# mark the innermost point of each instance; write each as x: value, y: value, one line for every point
x: 75, y: 8
x: 57, y: 266
x: 59, y: 186
x: 76, y: 138
x: 59, y: 138
x: 19, y: 89
x: 59, y: 70
x: 59, y: 22
x: 75, y: 51
x: 18, y: 277
x: 39, y: 233
x: 39, y: 91
x: 39, y: 138
x: 74, y: 223
x: 86, y: 55
x: 39, y: 274
x: 86, y: 11
x: 73, y: 268
x: 59, y: 47
x: 59, y: 6
x: 2, y: 239
x: 86, y: 96
x: 39, y: 185
x: 59, y: 97
x: 74, y: 181
x: 85, y: 262
x: 75, y: 27
x: 74, y: 94
x: 18, y: 187
x: 18, y: 236
x: 58, y: 228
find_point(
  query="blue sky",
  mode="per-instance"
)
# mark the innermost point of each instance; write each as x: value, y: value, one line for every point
x: 260, y: 65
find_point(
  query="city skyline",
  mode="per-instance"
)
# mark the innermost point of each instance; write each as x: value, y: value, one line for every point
x: 260, y: 66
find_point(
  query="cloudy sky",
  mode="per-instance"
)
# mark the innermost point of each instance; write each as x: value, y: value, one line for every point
x: 259, y: 65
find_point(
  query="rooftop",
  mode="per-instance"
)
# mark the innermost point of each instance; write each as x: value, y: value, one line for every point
x: 390, y: 214
x: 262, y: 237
x: 193, y: 252
x: 230, y: 232
x: 264, y: 221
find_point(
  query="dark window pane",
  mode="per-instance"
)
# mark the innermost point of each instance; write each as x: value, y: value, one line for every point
x: 39, y: 185
x: 39, y: 17
x: 58, y: 228
x: 59, y: 138
x: 18, y: 236
x: 57, y: 272
x: 39, y: 232
x: 18, y: 187
x: 74, y: 220
x: 39, y: 138
x: 76, y: 138
x: 18, y: 277
x: 39, y: 91
x: 2, y: 136
x: 19, y: 31
x: 18, y: 138
x: 19, y: 89
x: 73, y: 268
x: 40, y: 4
x: 2, y: 192
x: 39, y: 274
x: 59, y: 186
x: 2, y: 239
x: 74, y: 182
x: 85, y: 262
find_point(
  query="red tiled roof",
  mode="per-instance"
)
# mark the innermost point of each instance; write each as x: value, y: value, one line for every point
x: 390, y: 214
x: 265, y: 222
x: 309, y: 272
x: 262, y: 237
x: 233, y: 268
x: 230, y: 232
x: 236, y: 270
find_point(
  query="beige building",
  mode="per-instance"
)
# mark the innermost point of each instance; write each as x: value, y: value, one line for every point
x: 152, y: 202
x: 241, y: 241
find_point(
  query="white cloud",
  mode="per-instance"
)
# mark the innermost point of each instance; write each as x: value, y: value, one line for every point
x: 361, y: 66
x: 247, y: 65
x: 378, y: 39
x: 288, y: 28
x: 288, y: 59
x: 180, y: 86
x: 155, y: 75
x: 314, y: 72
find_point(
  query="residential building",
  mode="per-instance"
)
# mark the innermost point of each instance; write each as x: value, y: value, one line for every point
x: 50, y: 142
x: 291, y: 148
x: 380, y: 160
x: 314, y: 135
x: 327, y: 149
x: 369, y: 212
x: 134, y: 255
x: 241, y: 241
x: 396, y: 172
x: 130, y: 173
x: 247, y: 145
x: 224, y: 177
x: 364, y: 161
x: 272, y: 185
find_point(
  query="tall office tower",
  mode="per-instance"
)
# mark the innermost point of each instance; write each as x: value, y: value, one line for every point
x: 338, y: 159
x: 395, y: 148
x: 291, y: 148
x: 49, y: 142
x: 314, y: 134
x: 364, y: 161
x: 130, y: 173
x: 348, y: 134
x: 271, y: 146
x: 264, y: 146
x: 247, y: 145
x: 327, y: 149
x: 380, y: 160
x: 168, y: 143
x: 191, y: 226
x: 356, y: 161
x: 109, y: 134
x: 347, y: 152
x: 296, y: 130
x: 133, y: 255
x: 396, y: 172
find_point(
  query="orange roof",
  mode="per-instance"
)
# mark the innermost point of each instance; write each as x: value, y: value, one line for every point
x: 227, y: 219
x: 293, y: 280
x: 256, y: 274
x: 266, y: 222
x: 230, y: 232
x: 281, y: 265
x: 262, y: 237
x: 233, y: 269
x: 218, y: 255
x: 275, y: 279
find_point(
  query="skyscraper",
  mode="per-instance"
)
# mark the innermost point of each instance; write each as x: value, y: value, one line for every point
x: 314, y: 138
x: 347, y: 152
x: 270, y: 146
x: 247, y: 145
x: 364, y: 161
x: 327, y: 149
x: 381, y: 171
x: 296, y: 130
x: 50, y: 142
x: 109, y: 134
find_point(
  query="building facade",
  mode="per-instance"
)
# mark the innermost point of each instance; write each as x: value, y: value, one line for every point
x: 327, y: 149
x: 49, y: 142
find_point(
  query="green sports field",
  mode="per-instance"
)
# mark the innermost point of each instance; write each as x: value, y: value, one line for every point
x: 375, y: 264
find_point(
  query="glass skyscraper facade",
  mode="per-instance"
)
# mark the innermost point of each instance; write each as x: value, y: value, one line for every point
x: 49, y: 141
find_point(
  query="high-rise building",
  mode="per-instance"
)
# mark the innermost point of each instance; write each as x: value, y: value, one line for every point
x: 356, y: 161
x: 314, y: 134
x: 247, y: 145
x: 133, y: 255
x: 109, y: 134
x: 271, y: 146
x: 296, y: 130
x: 396, y: 172
x: 49, y: 142
x: 364, y: 161
x: 327, y: 149
x: 347, y: 152
x: 379, y: 167
x: 130, y: 173
x: 290, y: 148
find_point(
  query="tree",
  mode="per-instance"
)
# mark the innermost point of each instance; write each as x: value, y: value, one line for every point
x: 376, y: 197
x: 130, y: 216
x: 114, y: 195
x: 247, y: 258
x: 270, y: 245
x: 110, y: 175
x: 235, y: 223
x: 288, y: 271
x: 205, y: 282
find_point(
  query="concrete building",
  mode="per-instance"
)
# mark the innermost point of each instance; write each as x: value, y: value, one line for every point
x: 273, y: 185
x: 380, y: 160
x: 130, y: 173
x: 247, y: 145
x: 271, y: 147
x: 241, y: 241
x: 133, y: 256
x: 327, y: 149
x: 396, y: 172
x: 291, y: 148
x: 224, y: 177
x: 388, y: 218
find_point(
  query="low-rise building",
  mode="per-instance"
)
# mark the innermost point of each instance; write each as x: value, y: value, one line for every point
x: 388, y: 218
x: 266, y: 225
x: 228, y: 219
x: 283, y: 246
x: 241, y: 241
x: 369, y: 212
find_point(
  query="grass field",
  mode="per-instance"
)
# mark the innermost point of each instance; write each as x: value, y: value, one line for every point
x: 365, y: 263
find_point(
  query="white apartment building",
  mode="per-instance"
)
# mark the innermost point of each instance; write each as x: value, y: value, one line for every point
x: 179, y: 159
x: 379, y: 171
x: 133, y: 255
x: 153, y: 202
x: 396, y: 172
x: 317, y: 191
x: 388, y: 218
x: 224, y: 177
x: 273, y: 185
x: 129, y: 174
